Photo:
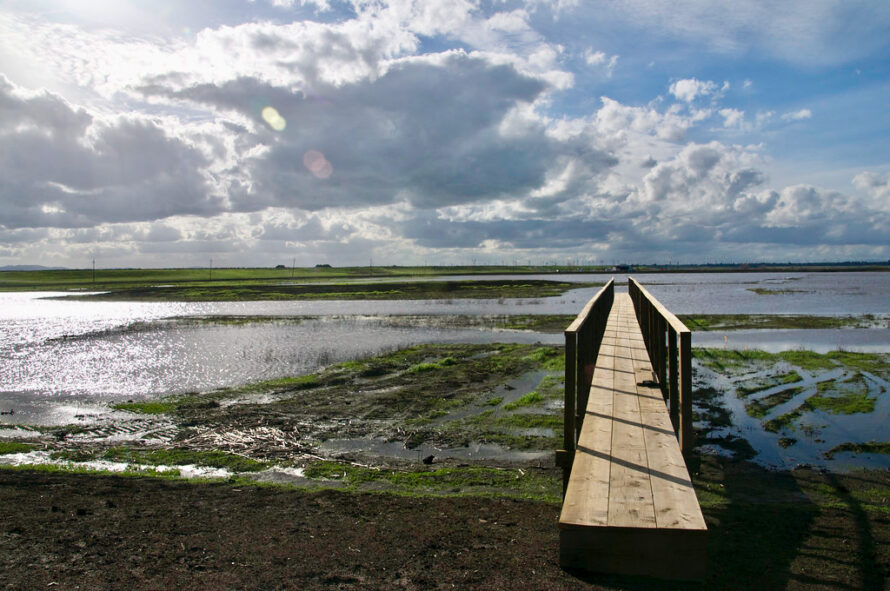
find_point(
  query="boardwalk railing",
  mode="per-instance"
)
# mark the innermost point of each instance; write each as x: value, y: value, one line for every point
x: 669, y: 344
x: 583, y: 338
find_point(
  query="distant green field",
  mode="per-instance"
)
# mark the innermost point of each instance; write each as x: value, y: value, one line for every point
x: 286, y: 284
x: 113, y: 279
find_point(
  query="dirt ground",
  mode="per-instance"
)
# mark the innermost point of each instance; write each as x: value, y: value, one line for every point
x: 768, y: 530
x: 99, y: 532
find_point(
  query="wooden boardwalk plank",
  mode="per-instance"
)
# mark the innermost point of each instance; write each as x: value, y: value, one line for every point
x: 630, y: 506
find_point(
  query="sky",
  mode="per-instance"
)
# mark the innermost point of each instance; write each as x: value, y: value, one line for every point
x: 161, y: 133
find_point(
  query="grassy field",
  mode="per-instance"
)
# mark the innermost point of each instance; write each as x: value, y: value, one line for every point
x: 286, y: 284
x: 106, y: 279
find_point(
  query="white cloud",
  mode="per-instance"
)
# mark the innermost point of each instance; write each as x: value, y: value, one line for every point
x: 797, y: 115
x: 67, y: 167
x: 732, y: 117
x: 600, y: 59
x: 877, y: 186
x: 402, y: 128
x: 689, y: 89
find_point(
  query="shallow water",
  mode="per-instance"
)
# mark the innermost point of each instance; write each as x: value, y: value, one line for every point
x: 62, y: 359
x: 863, y: 340
x: 815, y: 431
x: 172, y: 357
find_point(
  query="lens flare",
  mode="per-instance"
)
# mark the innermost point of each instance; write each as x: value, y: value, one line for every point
x: 275, y: 121
x: 317, y: 164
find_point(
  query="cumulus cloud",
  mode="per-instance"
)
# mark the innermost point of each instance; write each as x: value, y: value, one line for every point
x: 429, y: 131
x: 877, y: 186
x: 63, y: 166
x: 392, y: 128
x: 689, y: 89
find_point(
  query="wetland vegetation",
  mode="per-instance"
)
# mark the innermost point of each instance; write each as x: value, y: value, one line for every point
x: 407, y: 290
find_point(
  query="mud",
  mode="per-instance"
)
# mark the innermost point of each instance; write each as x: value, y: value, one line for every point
x: 460, y: 405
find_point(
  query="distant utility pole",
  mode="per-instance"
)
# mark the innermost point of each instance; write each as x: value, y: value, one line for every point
x: 94, y: 270
x: 211, y: 269
x: 293, y: 268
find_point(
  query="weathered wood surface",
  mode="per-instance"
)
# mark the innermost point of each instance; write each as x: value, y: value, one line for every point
x: 630, y: 506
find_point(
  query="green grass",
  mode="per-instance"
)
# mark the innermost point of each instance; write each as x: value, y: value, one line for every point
x: 764, y: 384
x: 809, y: 360
x: 182, y: 457
x: 148, y: 407
x: 731, y: 361
x: 785, y: 421
x: 84, y: 279
x: 432, y: 365
x: 73, y: 469
x: 531, y: 421
x: 467, y: 480
x: 550, y: 359
x: 409, y: 290
x: 760, y: 408
x: 765, y: 291
x: 530, y: 399
x: 494, y: 401
x: 714, y: 322
x: 15, y: 447
x: 871, y: 447
x: 846, y: 404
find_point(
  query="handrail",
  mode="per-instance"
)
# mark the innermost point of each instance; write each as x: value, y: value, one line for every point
x: 672, y: 361
x: 583, y: 338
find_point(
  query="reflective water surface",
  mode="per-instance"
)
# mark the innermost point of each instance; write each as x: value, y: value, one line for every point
x: 66, y: 347
x: 62, y: 359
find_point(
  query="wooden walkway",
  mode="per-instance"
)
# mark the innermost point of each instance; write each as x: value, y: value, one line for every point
x: 629, y: 506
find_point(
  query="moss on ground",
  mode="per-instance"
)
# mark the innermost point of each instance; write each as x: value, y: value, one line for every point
x: 714, y: 322
x: 448, y: 481
x: 749, y: 387
x: 760, y: 408
x: 15, y: 447
x: 164, y: 457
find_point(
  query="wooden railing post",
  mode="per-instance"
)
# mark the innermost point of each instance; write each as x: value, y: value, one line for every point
x: 673, y: 394
x: 669, y: 345
x: 686, y: 435
x: 564, y: 456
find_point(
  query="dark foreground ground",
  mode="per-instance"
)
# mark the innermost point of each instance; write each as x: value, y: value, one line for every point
x: 799, y: 530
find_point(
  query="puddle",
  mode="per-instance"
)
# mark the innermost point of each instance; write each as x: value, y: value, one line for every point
x: 809, y: 432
